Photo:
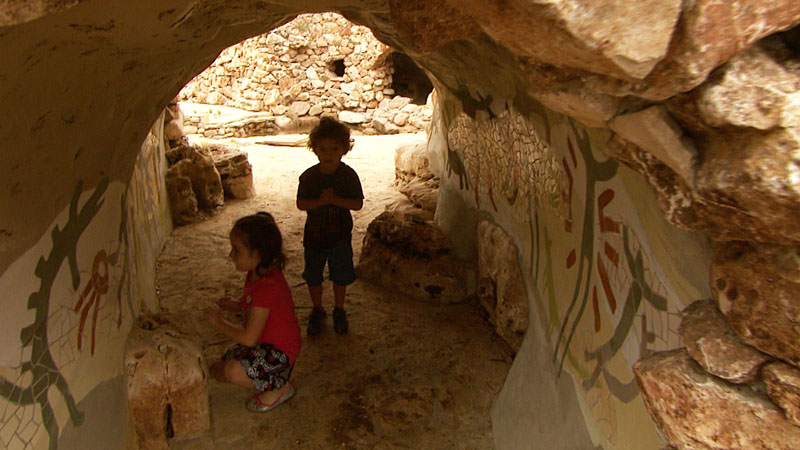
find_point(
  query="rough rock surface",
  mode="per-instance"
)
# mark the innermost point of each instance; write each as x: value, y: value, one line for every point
x: 654, y: 131
x: 235, y: 171
x: 783, y: 387
x: 501, y: 288
x: 167, y: 385
x: 708, y: 34
x: 182, y: 201
x: 757, y: 289
x: 621, y: 39
x: 404, y: 249
x: 754, y: 176
x: 316, y: 64
x: 695, y: 410
x: 758, y: 88
x: 714, y: 345
x: 195, y: 164
x: 413, y: 176
x: 13, y: 12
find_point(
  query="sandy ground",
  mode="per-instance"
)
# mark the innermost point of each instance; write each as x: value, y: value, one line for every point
x: 409, y: 374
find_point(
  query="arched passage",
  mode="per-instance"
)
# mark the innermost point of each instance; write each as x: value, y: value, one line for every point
x: 530, y: 92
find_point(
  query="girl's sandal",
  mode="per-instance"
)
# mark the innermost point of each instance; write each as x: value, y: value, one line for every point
x: 255, y: 404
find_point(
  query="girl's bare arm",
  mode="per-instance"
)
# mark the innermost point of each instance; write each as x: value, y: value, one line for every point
x: 246, y: 335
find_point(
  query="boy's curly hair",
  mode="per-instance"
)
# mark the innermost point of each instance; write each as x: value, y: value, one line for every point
x: 329, y: 128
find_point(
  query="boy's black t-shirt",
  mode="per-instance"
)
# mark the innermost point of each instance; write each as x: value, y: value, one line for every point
x: 328, y: 225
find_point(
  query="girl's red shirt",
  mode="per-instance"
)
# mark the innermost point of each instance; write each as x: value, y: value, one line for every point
x: 282, y: 329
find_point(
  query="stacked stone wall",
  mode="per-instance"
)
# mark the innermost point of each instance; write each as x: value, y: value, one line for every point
x: 317, y: 64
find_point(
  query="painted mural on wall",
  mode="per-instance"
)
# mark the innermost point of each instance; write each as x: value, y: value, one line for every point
x: 70, y: 303
x: 589, y: 253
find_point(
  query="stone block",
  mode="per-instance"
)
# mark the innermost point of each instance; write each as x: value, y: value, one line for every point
x: 167, y: 382
x: 757, y: 289
x: 714, y: 345
x: 783, y: 387
x: 696, y: 410
x: 501, y: 288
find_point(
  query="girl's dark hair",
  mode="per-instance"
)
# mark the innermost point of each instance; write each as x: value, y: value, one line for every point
x: 261, y: 233
x: 329, y: 128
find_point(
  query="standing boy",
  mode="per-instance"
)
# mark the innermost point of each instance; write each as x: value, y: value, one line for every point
x: 328, y: 191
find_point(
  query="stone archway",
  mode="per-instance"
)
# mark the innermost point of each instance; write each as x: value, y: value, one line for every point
x: 534, y: 97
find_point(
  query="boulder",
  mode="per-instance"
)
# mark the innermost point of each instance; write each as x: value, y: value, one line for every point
x: 404, y: 250
x: 696, y: 410
x: 501, y: 288
x: 783, y: 387
x: 413, y: 176
x: 757, y: 289
x: 714, y: 345
x: 167, y: 383
x: 235, y: 171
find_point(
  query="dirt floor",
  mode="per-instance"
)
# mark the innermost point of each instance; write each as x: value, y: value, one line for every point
x: 409, y: 374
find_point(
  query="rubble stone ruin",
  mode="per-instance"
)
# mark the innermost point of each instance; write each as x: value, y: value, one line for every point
x: 628, y: 169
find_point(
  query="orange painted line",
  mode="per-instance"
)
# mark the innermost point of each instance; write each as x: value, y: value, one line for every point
x: 606, y: 224
x: 612, y: 254
x: 571, y: 259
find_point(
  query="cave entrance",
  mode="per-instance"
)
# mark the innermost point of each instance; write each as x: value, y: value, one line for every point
x: 408, y: 80
x: 390, y: 379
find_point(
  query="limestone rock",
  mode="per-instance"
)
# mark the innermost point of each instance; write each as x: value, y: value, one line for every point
x: 426, y: 32
x: 501, y: 289
x: 384, y: 126
x: 592, y: 108
x: 757, y: 289
x: 656, y: 132
x: 14, y: 12
x: 612, y: 37
x: 317, y: 64
x: 173, y: 122
x: 756, y: 88
x: 783, y: 387
x: 714, y: 345
x: 695, y: 410
x: 167, y: 386
x: 754, y: 176
x: 298, y: 109
x: 745, y: 187
x: 235, y: 171
x: 708, y: 34
x: 351, y: 117
x: 413, y: 176
x: 206, y: 182
x: 405, y: 250
x: 182, y: 201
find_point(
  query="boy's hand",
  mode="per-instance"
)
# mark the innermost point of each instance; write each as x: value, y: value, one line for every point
x: 327, y: 196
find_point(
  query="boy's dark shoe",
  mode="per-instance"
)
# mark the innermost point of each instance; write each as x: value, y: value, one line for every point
x: 340, y: 320
x: 315, y: 321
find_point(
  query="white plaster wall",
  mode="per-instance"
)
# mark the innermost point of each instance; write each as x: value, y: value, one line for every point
x: 115, y: 232
x: 605, y: 272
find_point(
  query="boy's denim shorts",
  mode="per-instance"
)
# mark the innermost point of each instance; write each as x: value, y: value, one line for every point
x: 340, y: 264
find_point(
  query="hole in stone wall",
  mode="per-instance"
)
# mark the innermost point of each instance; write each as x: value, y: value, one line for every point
x: 791, y: 38
x: 408, y: 79
x: 337, y: 66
